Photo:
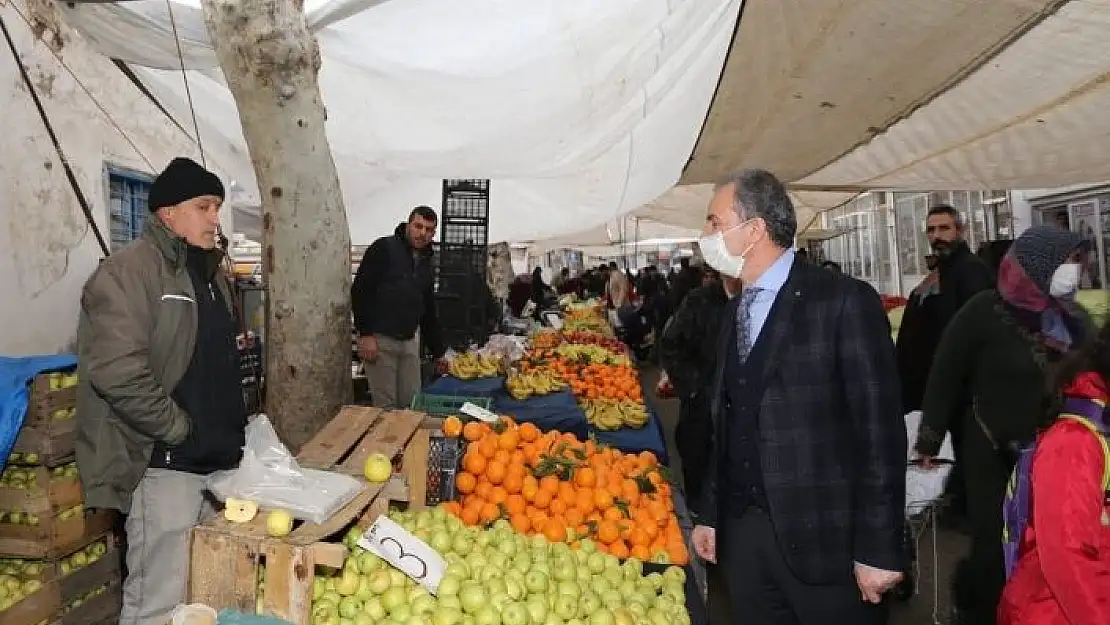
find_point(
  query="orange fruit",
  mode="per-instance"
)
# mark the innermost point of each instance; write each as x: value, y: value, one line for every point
x: 489, y: 513
x: 619, y: 550
x: 465, y: 483
x: 509, y: 440
x: 521, y: 524
x: 487, y: 446
x: 471, y: 515
x: 641, y: 552
x: 607, y: 532
x: 452, y: 427
x: 558, y: 506
x: 498, y: 495
x: 555, y: 531
x: 474, y: 462
x: 529, y: 487
x: 495, y: 473
x: 513, y: 482
x: 529, y: 432
x: 603, y: 499
x: 473, y: 431
x: 515, y: 504
x: 550, y: 483
x: 543, y: 499
x: 585, y: 477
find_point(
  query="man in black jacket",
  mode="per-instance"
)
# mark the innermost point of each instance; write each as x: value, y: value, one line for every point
x: 805, y: 498
x: 393, y: 297
x: 959, y: 275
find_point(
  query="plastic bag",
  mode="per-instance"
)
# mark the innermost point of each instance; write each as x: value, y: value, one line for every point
x: 925, y: 486
x: 269, y: 476
x: 510, y: 348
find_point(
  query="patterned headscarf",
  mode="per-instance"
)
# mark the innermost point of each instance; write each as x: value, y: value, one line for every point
x: 1024, y: 278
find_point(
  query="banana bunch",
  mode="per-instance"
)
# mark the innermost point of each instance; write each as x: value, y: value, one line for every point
x: 524, y: 385
x: 608, y: 414
x: 472, y: 365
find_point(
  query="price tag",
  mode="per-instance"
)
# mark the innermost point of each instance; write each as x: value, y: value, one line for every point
x: 478, y: 412
x: 407, y: 553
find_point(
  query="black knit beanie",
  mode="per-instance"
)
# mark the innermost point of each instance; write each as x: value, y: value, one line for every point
x: 182, y: 180
x: 1040, y: 250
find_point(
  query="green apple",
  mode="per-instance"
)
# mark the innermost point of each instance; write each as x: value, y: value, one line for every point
x: 537, y: 609
x: 374, y: 609
x: 473, y: 598
x: 596, y: 562
x: 566, y: 606
x: 612, y: 599
x: 515, y: 613
x: 450, y: 601
x: 588, y: 603
x: 536, y: 581
x: 446, y: 616
x: 440, y: 541
x: 675, y: 574
x: 400, y: 613
x: 658, y: 617
x: 515, y: 588
x: 369, y: 562
x: 424, y: 604
x: 449, y: 586
x: 458, y: 569
x: 379, y: 581
x: 363, y: 618
x: 392, y: 598
x: 462, y: 543
x: 487, y: 615
x: 602, y: 617
x: 349, y: 607
x: 397, y: 578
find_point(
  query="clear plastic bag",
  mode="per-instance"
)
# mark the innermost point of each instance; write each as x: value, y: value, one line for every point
x: 269, y: 476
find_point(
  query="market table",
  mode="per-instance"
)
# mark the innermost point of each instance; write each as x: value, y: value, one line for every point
x: 557, y: 411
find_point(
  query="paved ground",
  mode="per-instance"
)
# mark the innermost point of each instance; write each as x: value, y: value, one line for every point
x: 949, y: 545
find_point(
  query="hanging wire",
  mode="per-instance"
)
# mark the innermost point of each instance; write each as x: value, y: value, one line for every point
x: 185, y: 77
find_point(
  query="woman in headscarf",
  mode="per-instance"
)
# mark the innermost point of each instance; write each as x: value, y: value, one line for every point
x: 990, y: 378
x: 1061, y: 573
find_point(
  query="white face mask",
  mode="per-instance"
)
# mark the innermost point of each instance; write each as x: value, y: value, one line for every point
x: 714, y: 250
x: 1065, y: 281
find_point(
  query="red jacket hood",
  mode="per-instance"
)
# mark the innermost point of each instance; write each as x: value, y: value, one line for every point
x: 1088, y: 385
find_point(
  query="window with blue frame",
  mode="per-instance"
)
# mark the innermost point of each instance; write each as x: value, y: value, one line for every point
x: 127, y: 205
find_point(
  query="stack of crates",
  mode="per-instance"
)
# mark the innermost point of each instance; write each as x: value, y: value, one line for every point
x: 444, y: 453
x: 59, y: 563
x: 461, y: 292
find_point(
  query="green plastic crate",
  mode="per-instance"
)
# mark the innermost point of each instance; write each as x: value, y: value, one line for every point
x: 444, y: 405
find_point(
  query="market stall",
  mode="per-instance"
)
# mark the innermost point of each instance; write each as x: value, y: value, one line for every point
x: 610, y: 546
x: 579, y: 380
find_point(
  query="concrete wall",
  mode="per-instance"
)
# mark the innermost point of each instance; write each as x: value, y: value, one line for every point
x: 47, y: 249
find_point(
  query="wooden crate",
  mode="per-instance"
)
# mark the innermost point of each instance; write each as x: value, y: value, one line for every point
x: 45, y: 401
x: 45, y: 497
x: 53, y: 537
x: 52, y: 441
x: 49, y: 603
x: 225, y: 557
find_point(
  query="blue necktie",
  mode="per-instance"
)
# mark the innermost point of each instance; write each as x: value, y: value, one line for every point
x: 744, y: 322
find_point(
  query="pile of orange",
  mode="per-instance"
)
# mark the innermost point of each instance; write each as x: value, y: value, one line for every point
x: 599, y: 381
x: 568, y: 490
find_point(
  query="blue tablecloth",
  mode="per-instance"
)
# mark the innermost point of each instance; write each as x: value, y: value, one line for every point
x: 557, y: 411
x: 16, y: 375
x: 450, y: 385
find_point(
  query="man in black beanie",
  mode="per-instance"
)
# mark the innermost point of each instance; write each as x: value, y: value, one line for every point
x: 160, y: 404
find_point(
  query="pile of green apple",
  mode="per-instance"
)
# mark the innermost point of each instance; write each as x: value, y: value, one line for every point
x: 85, y: 597
x: 60, y: 380
x: 64, y: 472
x: 64, y: 413
x: 13, y: 590
x: 26, y: 570
x: 24, y: 477
x: 497, y: 577
x: 24, y: 459
x: 19, y: 517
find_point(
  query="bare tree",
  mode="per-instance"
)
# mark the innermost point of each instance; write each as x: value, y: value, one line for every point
x: 271, y: 62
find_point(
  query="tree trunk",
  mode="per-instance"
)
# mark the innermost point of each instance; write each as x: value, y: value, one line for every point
x: 270, y: 62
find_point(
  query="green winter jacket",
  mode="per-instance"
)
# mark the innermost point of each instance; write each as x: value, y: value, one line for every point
x: 136, y: 332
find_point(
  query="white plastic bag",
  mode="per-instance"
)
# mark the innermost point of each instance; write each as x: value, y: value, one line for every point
x: 924, y: 486
x: 269, y: 476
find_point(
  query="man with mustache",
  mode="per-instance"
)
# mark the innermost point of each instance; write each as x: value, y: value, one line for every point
x: 160, y: 403
x: 955, y: 276
x: 394, y: 306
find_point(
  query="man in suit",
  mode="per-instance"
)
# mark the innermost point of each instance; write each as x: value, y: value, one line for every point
x: 803, y: 506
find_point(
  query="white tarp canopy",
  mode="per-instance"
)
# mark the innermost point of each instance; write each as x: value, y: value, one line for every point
x: 578, y: 111
x: 583, y: 111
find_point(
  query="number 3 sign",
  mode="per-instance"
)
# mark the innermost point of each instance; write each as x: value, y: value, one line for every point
x: 407, y: 553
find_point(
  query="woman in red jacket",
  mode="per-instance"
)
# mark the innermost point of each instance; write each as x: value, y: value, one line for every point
x: 1062, y: 574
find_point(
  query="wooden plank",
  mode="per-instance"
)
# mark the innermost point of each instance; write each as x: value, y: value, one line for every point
x: 338, y: 437
x: 97, y: 610
x: 414, y: 466
x: 388, y: 437
x: 46, y: 497
x: 290, y: 572
x: 223, y: 570
x: 53, y: 538
x: 52, y: 441
x: 106, y: 570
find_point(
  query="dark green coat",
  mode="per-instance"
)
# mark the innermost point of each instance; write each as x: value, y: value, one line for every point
x: 136, y: 332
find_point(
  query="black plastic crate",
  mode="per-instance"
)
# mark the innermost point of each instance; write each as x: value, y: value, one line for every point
x: 474, y: 234
x: 465, y: 198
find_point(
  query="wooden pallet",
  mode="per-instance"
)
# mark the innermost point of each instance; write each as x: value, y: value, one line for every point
x: 225, y: 557
x: 53, y: 537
